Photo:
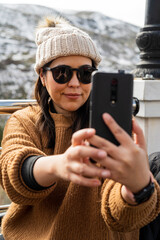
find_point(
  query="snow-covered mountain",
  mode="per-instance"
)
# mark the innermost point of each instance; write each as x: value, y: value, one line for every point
x: 115, y: 40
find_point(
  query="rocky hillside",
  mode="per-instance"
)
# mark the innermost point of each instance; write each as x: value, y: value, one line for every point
x: 115, y: 40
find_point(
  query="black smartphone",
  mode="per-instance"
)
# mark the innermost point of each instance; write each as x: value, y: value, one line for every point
x: 111, y: 93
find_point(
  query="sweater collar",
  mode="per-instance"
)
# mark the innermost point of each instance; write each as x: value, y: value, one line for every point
x: 60, y: 120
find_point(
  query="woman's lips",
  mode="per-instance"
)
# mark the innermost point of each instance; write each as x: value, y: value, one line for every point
x: 72, y: 95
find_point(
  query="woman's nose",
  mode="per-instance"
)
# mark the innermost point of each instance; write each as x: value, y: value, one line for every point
x: 74, y: 82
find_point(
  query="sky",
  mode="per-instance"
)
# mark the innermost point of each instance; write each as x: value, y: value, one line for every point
x: 132, y: 11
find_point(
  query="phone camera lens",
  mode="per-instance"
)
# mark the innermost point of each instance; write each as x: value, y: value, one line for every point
x: 114, y: 84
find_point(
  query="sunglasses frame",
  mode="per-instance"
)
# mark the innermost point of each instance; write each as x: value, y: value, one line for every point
x: 92, y: 69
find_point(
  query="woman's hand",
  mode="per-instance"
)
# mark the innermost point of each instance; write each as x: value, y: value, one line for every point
x: 74, y: 164
x: 128, y: 162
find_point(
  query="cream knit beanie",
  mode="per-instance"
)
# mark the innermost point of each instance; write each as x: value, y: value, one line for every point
x: 58, y: 38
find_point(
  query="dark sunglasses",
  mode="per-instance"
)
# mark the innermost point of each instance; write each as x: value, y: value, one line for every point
x: 63, y: 73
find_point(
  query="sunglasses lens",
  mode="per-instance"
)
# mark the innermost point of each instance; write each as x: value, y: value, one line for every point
x: 62, y: 74
x: 84, y: 74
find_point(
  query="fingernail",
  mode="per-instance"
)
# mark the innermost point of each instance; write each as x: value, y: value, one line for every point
x: 105, y: 174
x: 91, y: 130
x: 106, y: 116
x: 102, y: 154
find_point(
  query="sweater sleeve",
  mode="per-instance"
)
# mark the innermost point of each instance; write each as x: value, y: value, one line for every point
x: 21, y: 139
x: 122, y: 217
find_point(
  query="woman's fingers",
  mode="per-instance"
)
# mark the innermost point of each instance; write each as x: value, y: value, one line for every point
x: 79, y: 169
x: 79, y: 136
x: 82, y: 152
x: 122, y: 137
x: 89, y: 171
x: 140, y: 140
x: 83, y: 181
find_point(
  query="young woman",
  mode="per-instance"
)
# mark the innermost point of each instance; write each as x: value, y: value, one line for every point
x: 56, y: 192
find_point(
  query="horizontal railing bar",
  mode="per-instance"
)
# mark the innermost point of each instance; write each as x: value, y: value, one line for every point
x: 10, y: 106
x: 4, y: 207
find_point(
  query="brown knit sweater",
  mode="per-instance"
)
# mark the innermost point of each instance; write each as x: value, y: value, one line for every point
x: 65, y: 211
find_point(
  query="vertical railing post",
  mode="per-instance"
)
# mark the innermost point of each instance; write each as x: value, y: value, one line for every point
x: 147, y: 76
x: 148, y: 42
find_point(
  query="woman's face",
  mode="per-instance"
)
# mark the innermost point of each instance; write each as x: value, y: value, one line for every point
x: 70, y: 96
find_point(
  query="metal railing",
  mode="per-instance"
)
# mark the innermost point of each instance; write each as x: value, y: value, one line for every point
x: 10, y: 106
